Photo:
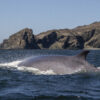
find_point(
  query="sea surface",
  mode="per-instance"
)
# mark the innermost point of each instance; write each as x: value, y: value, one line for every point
x: 20, y: 83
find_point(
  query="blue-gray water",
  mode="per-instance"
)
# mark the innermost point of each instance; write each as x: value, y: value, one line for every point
x: 24, y: 85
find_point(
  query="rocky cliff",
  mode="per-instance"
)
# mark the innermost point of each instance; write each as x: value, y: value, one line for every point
x: 23, y: 39
x: 87, y: 36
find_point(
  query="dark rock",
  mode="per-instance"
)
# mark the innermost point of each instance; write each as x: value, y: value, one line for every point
x: 74, y: 42
x: 48, y: 40
x: 88, y: 35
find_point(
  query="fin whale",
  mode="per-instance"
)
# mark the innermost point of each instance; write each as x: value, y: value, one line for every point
x: 60, y: 64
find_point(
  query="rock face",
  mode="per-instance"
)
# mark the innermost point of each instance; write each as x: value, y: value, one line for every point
x: 90, y: 34
x: 87, y: 36
x: 60, y: 39
x: 47, y: 40
x: 24, y: 39
x: 94, y: 41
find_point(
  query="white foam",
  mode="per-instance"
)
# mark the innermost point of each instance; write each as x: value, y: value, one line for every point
x: 35, y: 70
x: 98, y: 68
x: 14, y: 65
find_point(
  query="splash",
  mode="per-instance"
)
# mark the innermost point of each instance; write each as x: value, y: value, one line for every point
x: 98, y: 68
x: 14, y: 65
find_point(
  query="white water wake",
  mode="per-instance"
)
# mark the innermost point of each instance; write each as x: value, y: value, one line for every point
x: 14, y: 65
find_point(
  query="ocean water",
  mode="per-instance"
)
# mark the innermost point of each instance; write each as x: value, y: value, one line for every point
x: 21, y: 83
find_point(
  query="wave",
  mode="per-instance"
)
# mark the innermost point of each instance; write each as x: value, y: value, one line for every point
x: 21, y: 96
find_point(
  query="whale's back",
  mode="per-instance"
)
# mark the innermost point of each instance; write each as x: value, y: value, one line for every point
x: 59, y: 64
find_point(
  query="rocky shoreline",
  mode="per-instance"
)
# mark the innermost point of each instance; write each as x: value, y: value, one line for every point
x: 82, y: 37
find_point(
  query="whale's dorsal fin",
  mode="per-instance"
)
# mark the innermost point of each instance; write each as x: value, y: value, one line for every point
x: 83, y: 54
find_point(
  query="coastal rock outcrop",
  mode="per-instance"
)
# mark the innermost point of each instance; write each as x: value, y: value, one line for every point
x: 94, y: 41
x: 59, y: 39
x: 47, y: 40
x: 23, y: 39
x: 81, y: 37
x: 90, y: 34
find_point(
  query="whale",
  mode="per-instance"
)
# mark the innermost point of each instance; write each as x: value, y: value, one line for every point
x: 60, y: 64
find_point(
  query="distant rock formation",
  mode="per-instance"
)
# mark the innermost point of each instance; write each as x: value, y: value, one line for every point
x: 23, y: 39
x: 60, y: 39
x: 82, y: 37
x: 90, y: 34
